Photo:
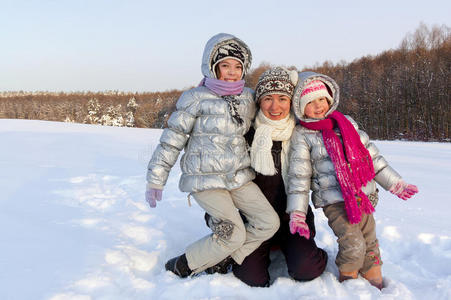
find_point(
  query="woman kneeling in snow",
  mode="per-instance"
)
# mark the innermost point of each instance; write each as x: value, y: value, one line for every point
x: 270, y: 141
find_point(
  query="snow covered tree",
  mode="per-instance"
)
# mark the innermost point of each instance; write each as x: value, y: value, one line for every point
x: 131, y: 110
x: 113, y: 116
x: 93, y: 116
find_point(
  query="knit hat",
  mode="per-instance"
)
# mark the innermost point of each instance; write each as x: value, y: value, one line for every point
x: 314, y: 90
x: 276, y: 80
x: 229, y: 49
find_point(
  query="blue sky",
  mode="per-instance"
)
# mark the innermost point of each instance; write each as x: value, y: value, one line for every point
x: 141, y: 46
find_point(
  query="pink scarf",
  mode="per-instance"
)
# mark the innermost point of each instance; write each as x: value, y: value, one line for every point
x: 353, y: 166
x: 223, y: 88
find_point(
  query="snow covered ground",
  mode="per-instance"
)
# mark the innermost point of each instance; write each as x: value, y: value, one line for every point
x: 74, y: 223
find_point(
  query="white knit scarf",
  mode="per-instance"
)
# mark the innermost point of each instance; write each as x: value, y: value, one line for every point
x: 267, y: 130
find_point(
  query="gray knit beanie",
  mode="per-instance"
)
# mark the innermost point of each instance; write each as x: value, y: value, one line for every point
x: 276, y: 80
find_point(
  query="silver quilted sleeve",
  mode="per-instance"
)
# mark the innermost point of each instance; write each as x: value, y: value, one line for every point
x: 172, y: 140
x: 386, y: 176
x: 299, y: 173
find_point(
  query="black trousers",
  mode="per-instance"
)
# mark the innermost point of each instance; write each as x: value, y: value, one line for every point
x: 305, y: 261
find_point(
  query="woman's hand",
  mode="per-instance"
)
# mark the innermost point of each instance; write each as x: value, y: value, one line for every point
x: 297, y: 224
x: 153, y: 195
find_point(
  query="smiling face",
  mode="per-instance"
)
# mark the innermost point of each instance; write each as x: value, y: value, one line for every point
x: 317, y: 108
x: 276, y: 106
x: 229, y: 70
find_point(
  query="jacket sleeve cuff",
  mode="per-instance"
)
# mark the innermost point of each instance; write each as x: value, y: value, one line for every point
x: 297, y: 202
x: 387, y: 177
x: 154, y: 186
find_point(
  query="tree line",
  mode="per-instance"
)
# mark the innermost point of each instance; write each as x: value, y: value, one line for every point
x: 113, y: 108
x: 400, y: 93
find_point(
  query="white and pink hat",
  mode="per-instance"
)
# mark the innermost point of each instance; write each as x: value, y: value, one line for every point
x: 314, y: 90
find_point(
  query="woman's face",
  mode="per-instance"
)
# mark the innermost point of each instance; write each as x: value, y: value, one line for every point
x: 276, y: 106
x: 317, y: 108
x: 230, y: 70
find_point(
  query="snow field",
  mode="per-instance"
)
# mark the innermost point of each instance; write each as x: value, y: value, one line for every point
x: 74, y: 223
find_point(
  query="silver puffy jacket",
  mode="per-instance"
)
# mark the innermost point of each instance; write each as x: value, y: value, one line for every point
x: 216, y: 155
x: 310, y: 165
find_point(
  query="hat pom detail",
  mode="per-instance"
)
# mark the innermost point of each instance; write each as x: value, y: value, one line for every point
x: 294, y: 77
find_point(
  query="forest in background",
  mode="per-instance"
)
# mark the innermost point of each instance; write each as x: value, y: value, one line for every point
x: 400, y: 93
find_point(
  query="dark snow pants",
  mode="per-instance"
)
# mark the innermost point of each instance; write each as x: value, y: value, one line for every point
x: 305, y: 261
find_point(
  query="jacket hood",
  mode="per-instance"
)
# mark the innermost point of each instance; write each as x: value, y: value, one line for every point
x: 212, y: 46
x: 304, y: 79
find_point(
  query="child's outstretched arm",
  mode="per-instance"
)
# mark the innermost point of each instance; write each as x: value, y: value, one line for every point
x: 386, y: 176
x: 172, y: 141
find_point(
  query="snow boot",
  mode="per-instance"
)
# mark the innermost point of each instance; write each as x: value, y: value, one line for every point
x: 179, y: 266
x: 347, y: 275
x: 221, y: 267
x: 374, y: 277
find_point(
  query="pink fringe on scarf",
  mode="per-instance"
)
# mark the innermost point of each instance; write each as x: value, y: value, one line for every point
x: 354, y: 166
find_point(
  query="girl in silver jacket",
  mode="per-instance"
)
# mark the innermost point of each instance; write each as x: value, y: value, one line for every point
x: 337, y: 161
x: 209, y: 125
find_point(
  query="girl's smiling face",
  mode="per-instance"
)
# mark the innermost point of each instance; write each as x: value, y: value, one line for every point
x: 317, y: 108
x: 276, y: 106
x: 229, y: 70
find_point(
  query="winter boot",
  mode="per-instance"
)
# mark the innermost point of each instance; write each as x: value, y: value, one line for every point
x: 374, y: 277
x: 179, y: 266
x: 347, y: 275
x: 221, y: 267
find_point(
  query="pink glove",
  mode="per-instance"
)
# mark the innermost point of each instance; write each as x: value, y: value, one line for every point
x: 403, y: 190
x: 297, y: 224
x: 152, y: 195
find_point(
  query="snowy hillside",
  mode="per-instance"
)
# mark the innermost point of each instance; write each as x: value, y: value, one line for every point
x: 74, y: 223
